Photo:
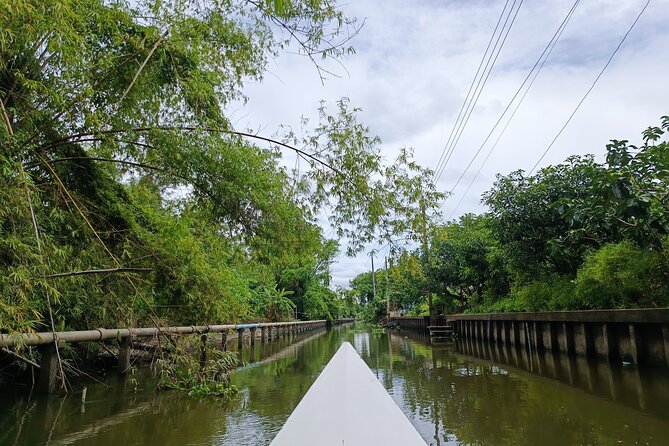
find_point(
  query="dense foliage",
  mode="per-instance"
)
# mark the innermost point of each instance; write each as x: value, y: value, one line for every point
x: 578, y: 235
x: 128, y: 197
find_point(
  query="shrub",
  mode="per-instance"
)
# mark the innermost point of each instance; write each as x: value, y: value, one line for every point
x: 622, y: 275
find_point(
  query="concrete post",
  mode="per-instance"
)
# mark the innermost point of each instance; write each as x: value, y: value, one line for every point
x: 568, y: 333
x: 538, y: 336
x: 124, y: 350
x: 203, y: 351
x: 240, y: 339
x: 48, y: 368
x: 553, y: 337
x: 665, y: 342
x: 608, y: 342
x: 634, y: 343
x: 253, y: 333
x: 588, y: 344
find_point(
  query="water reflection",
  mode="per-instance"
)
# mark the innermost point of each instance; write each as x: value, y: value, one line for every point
x: 494, y: 394
x: 628, y: 385
x: 454, y: 394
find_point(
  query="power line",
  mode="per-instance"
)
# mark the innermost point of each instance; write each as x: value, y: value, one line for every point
x: 479, y: 94
x: 540, y: 61
x: 480, y: 84
x: 549, y: 47
x: 591, y: 87
x: 476, y: 76
x: 479, y: 88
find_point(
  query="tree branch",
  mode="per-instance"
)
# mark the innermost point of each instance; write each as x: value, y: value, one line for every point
x: 99, y: 271
x: 141, y: 67
x: 74, y: 137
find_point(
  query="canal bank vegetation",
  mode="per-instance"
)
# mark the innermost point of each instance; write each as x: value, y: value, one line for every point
x: 205, y: 374
x: 128, y: 197
x: 575, y: 236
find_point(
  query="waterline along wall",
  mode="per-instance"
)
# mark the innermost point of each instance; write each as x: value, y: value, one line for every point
x: 639, y: 336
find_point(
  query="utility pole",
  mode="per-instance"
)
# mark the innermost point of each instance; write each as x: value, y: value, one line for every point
x: 371, y: 255
x: 387, y: 296
x: 426, y: 259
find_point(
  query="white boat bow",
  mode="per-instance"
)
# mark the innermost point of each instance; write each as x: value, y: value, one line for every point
x: 347, y: 406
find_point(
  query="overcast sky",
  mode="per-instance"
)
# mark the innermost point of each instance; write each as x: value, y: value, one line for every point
x: 416, y: 59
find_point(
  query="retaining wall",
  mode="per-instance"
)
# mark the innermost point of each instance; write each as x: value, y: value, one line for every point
x: 639, y: 336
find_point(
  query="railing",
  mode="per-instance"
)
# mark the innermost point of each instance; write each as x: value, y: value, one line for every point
x: 101, y: 334
x: 49, y: 342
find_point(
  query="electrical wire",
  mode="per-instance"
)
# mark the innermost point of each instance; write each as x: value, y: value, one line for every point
x: 467, y: 98
x: 591, y: 87
x: 480, y: 84
x: 471, y: 110
x: 542, y: 58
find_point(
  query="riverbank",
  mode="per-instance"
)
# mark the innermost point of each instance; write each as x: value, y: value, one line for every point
x: 449, y: 394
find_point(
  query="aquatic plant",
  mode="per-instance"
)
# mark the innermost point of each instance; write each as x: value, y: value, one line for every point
x: 200, y: 370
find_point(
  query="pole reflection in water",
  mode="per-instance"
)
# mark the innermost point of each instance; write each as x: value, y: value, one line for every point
x: 469, y: 392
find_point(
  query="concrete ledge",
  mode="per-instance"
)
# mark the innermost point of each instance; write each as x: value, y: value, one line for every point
x: 641, y: 315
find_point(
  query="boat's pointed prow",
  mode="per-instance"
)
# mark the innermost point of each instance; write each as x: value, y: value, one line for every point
x: 347, y: 406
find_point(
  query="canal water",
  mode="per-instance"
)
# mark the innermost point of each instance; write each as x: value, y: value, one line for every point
x: 453, y: 393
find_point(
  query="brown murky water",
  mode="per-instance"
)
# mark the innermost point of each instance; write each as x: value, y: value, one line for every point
x: 464, y: 394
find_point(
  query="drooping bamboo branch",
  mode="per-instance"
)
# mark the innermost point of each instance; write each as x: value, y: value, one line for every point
x: 99, y: 271
x: 76, y: 136
x: 5, y: 118
x: 195, y: 184
x: 22, y: 358
x: 141, y: 67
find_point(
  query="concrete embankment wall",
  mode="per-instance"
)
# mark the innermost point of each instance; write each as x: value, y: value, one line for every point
x: 410, y: 323
x: 639, y: 336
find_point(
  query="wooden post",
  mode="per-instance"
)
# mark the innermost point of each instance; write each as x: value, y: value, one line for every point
x: 124, y: 350
x: 240, y: 339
